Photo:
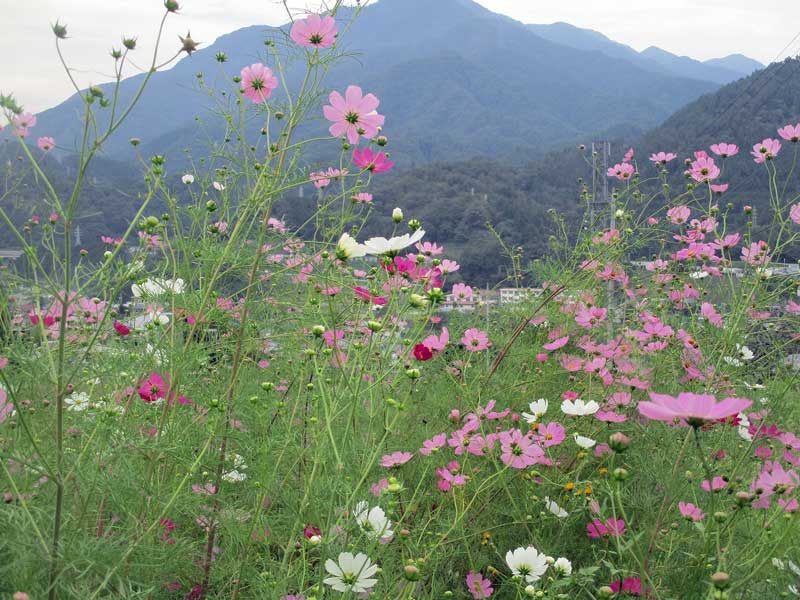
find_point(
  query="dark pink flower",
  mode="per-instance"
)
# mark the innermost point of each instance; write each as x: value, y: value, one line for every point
x: 375, y: 163
x: 154, y: 388
x: 121, y: 328
x: 610, y: 528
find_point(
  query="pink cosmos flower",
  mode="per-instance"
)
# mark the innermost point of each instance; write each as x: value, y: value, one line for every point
x: 725, y: 150
x: 710, y: 313
x: 258, y: 82
x: 622, y: 171
x: 704, y: 169
x: 773, y: 479
x: 362, y: 197
x: 757, y: 254
x: 22, y: 123
x: 766, y: 150
x: 461, y: 292
x: 610, y: 528
x: 475, y: 340
x: 518, y: 451
x: 662, y: 157
x: 591, y: 317
x: 691, y: 409
x: 556, y: 344
x: 6, y: 408
x: 794, y: 213
x: 551, y: 434
x: 790, y: 133
x: 628, y: 156
x: 436, y: 442
x: 396, y: 459
x: 438, y: 344
x: 374, y: 163
x: 629, y: 585
x: 720, y: 188
x: 690, y: 511
x: 479, y: 586
x: 45, y: 144
x: 314, y: 31
x: 353, y: 115
x: 678, y: 214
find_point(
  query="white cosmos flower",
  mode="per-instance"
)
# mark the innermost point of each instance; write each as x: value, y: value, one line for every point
x: 746, y: 353
x: 744, y: 428
x: 555, y: 508
x: 380, y: 245
x: 373, y: 522
x: 349, y: 248
x: 579, y: 408
x: 538, y: 409
x: 157, y: 287
x: 237, y: 473
x: 218, y: 186
x: 188, y: 178
x: 563, y: 567
x: 77, y: 402
x: 732, y: 361
x: 527, y: 563
x: 351, y: 573
x: 698, y: 274
x: 583, y: 441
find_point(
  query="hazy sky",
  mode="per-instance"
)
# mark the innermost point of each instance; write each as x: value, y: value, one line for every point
x: 29, y: 66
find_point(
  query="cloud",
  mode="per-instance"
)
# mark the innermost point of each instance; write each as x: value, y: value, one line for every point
x: 699, y: 28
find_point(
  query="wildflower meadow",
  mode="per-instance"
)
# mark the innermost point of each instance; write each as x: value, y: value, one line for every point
x: 227, y: 404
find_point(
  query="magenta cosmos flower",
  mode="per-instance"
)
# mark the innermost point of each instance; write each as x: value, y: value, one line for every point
x: 154, y: 388
x: 475, y: 340
x: 258, y: 82
x: 610, y: 528
x: 479, y: 586
x: 353, y: 115
x: 691, y: 409
x: 315, y: 32
x: 367, y: 160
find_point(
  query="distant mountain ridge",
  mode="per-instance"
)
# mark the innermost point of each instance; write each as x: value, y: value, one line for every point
x: 468, y: 83
x: 719, y: 70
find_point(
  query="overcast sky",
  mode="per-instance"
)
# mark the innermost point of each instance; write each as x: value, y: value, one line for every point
x: 29, y: 65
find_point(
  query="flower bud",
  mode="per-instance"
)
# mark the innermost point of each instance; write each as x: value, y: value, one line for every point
x: 374, y: 326
x: 620, y: 474
x: 721, y: 580
x: 397, y: 215
x: 129, y: 43
x: 171, y: 5
x: 415, y: 224
x: 619, y: 442
x: 60, y: 32
x: 188, y: 44
x: 411, y: 572
x: 318, y: 330
x: 605, y: 593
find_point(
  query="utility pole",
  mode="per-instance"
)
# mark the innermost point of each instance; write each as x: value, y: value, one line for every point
x: 602, y: 215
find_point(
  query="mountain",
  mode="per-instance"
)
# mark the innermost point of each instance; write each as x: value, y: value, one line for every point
x: 719, y: 70
x: 739, y: 63
x: 689, y: 67
x: 465, y: 82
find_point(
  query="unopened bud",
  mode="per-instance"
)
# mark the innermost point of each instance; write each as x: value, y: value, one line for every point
x: 397, y: 215
x: 60, y: 32
x: 721, y: 580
